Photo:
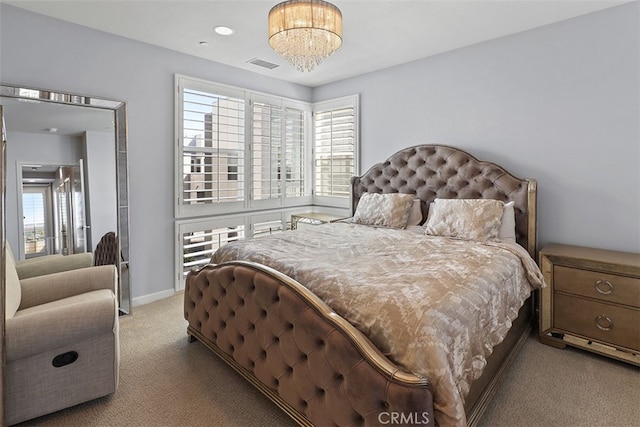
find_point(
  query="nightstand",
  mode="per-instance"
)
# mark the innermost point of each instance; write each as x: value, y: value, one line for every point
x: 592, y: 300
x: 312, y: 218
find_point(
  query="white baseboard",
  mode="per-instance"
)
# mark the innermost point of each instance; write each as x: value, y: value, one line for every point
x: 146, y: 299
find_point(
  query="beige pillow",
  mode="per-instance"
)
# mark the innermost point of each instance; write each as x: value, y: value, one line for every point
x: 470, y: 219
x: 508, y: 224
x: 384, y: 210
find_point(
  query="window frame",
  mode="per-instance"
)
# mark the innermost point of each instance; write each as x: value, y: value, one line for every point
x: 185, y: 211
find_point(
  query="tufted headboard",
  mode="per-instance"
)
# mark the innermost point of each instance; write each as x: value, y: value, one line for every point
x: 438, y: 171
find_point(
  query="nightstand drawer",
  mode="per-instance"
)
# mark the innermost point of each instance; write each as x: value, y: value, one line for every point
x: 593, y: 284
x: 600, y: 321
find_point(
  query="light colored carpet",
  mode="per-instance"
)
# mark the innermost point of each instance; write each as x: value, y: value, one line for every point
x: 167, y: 381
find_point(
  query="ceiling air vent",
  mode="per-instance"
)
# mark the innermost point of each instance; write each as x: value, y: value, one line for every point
x: 263, y: 63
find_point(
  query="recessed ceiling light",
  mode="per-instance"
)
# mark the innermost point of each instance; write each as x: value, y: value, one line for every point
x: 223, y: 31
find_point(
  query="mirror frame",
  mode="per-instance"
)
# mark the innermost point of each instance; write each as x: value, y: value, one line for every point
x: 122, y: 174
x: 3, y: 168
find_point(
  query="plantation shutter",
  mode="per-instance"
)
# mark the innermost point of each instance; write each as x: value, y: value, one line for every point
x: 212, y: 147
x: 278, y: 151
x: 294, y: 174
x: 266, y: 149
x: 335, y: 149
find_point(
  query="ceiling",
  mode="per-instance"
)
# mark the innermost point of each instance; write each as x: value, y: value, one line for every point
x: 377, y: 34
x: 54, y: 119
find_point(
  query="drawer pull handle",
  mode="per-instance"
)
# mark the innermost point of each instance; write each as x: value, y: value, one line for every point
x: 603, y: 287
x: 600, y: 323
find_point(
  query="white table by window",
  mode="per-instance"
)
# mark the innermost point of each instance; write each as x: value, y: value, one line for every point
x: 305, y: 219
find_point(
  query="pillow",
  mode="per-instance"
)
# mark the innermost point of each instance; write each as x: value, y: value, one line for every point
x: 470, y: 219
x: 507, y: 231
x: 386, y: 210
x: 415, y: 213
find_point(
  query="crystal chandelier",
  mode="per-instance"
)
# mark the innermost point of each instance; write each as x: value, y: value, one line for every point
x: 304, y: 32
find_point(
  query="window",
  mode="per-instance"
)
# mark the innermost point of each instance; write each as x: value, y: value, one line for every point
x: 335, y: 147
x: 295, y: 153
x: 266, y: 150
x: 212, y: 148
x: 245, y: 161
x: 232, y: 169
x: 278, y: 150
x: 200, y: 240
x: 239, y: 150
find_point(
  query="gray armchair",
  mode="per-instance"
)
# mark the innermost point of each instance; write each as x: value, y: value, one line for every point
x: 62, y: 343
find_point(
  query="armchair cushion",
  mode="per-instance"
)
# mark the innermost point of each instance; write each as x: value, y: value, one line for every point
x: 52, y: 264
x: 60, y: 323
x: 45, y: 289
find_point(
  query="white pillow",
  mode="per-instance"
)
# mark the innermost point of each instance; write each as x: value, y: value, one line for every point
x: 415, y: 213
x: 507, y: 231
x: 470, y: 219
x: 385, y: 210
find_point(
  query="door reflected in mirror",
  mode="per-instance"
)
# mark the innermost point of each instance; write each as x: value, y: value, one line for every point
x: 56, y: 202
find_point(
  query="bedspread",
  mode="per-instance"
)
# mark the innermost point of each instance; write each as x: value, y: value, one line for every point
x: 434, y: 305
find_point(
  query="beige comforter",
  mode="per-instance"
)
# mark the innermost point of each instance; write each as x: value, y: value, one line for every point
x: 435, y: 306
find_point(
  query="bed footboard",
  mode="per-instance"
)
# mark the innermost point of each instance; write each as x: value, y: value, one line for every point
x: 311, y: 362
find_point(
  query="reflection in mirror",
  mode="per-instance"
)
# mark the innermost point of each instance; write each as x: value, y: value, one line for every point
x: 54, y: 219
x: 67, y: 177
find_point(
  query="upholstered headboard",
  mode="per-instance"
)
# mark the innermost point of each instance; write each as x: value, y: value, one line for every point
x: 438, y: 171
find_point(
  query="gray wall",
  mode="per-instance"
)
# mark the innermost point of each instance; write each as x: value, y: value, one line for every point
x: 559, y: 104
x: 100, y: 185
x: 42, y: 52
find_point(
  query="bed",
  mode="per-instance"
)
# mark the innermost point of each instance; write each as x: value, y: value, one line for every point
x: 276, y: 308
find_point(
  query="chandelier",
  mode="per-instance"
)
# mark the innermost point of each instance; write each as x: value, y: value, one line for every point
x: 305, y: 32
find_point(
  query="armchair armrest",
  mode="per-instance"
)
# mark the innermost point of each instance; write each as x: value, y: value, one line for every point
x: 52, y: 264
x: 51, y: 287
x: 60, y: 324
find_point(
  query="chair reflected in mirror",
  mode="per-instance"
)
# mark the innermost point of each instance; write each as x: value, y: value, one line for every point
x: 106, y: 252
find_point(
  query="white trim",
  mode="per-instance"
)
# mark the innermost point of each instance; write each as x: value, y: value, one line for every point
x: 149, y: 298
x: 206, y: 85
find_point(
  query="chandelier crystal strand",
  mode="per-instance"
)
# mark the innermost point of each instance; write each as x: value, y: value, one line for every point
x: 305, y: 32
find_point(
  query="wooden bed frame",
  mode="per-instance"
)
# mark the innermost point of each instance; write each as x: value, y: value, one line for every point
x: 311, y: 362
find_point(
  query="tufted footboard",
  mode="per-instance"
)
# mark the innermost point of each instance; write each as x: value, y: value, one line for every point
x: 290, y: 345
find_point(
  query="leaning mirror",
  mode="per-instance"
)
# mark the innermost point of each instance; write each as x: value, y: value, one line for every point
x: 67, y: 181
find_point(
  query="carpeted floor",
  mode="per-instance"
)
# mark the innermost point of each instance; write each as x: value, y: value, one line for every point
x: 167, y: 381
